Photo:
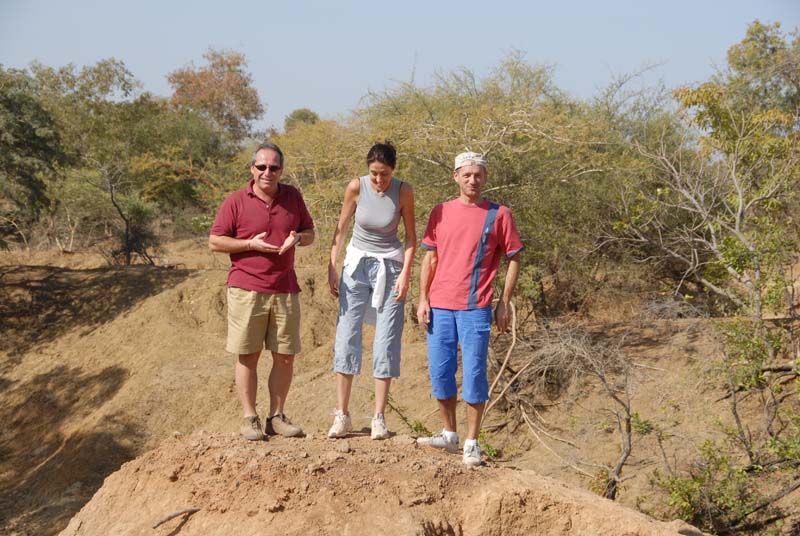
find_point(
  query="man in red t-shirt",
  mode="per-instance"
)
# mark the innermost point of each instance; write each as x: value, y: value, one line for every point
x: 259, y: 227
x: 465, y: 238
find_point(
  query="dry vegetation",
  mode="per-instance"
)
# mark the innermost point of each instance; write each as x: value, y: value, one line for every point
x: 654, y: 356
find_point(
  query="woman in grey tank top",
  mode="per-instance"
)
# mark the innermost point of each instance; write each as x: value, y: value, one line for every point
x: 374, y: 282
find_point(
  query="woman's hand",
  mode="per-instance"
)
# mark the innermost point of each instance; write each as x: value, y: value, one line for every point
x: 333, y: 280
x: 401, y: 285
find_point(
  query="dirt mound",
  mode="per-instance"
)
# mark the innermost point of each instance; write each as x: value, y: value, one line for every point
x: 101, y: 365
x: 224, y: 484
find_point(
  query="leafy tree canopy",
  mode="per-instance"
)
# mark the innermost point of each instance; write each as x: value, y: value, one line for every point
x: 30, y: 146
x: 764, y: 68
x: 300, y: 116
x: 223, y: 89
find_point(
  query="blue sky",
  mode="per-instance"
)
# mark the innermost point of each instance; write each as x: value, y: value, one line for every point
x: 327, y: 55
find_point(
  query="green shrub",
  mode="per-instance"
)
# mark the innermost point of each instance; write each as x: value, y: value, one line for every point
x: 716, y: 493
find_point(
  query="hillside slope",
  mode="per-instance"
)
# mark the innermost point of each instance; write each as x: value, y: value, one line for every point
x: 99, y: 365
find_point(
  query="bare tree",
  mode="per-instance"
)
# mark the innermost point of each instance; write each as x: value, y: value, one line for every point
x: 558, y: 357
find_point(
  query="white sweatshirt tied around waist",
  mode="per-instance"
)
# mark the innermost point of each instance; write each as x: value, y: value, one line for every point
x: 353, y: 256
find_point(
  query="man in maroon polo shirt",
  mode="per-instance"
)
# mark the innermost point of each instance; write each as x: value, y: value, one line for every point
x: 259, y: 227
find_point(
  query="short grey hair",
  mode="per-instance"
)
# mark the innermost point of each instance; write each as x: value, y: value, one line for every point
x: 271, y: 147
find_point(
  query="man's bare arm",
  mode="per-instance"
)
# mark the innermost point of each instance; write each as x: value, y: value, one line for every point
x: 426, y: 274
x: 228, y: 244
x: 512, y: 274
x: 306, y: 237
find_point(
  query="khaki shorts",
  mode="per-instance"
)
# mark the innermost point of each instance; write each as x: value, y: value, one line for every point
x: 257, y: 321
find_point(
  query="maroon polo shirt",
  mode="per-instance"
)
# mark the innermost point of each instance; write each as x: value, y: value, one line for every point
x: 243, y: 215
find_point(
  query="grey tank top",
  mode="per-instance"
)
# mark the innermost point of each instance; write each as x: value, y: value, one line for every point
x: 377, y: 217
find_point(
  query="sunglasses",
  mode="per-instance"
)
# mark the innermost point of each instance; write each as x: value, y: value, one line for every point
x: 263, y: 167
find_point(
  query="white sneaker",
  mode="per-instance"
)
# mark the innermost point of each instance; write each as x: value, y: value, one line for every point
x: 439, y: 441
x: 379, y: 430
x: 472, y: 455
x: 341, y: 425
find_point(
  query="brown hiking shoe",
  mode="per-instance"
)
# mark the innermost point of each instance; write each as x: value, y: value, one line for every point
x: 251, y: 428
x: 281, y: 425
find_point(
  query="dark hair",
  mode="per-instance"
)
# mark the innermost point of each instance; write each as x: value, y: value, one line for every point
x: 384, y: 153
x: 271, y: 147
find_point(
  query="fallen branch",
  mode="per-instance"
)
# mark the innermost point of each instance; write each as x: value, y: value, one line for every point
x: 781, y: 368
x: 510, y: 349
x: 649, y: 367
x: 660, y: 441
x: 554, y: 453
x: 509, y: 384
x: 555, y: 438
x: 187, y: 512
x: 778, y: 496
x: 431, y: 414
x: 494, y: 427
x: 19, y: 231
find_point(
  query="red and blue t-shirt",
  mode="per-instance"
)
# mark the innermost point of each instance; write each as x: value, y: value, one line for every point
x: 469, y: 241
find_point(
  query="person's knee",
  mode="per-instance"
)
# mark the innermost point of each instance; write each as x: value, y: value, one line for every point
x: 444, y: 388
x: 249, y: 360
x: 475, y: 401
x: 476, y: 393
x: 283, y: 360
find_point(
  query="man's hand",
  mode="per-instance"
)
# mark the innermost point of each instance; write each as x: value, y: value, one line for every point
x: 501, y: 316
x: 424, y: 313
x: 291, y: 241
x: 333, y: 280
x: 257, y: 243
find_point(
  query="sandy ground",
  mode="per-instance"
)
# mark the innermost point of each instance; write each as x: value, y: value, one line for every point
x: 101, y: 365
x: 352, y: 486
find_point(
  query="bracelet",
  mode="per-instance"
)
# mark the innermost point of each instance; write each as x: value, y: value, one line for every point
x: 249, y: 246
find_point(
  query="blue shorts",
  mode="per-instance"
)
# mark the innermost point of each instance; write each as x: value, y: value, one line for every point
x: 470, y: 328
